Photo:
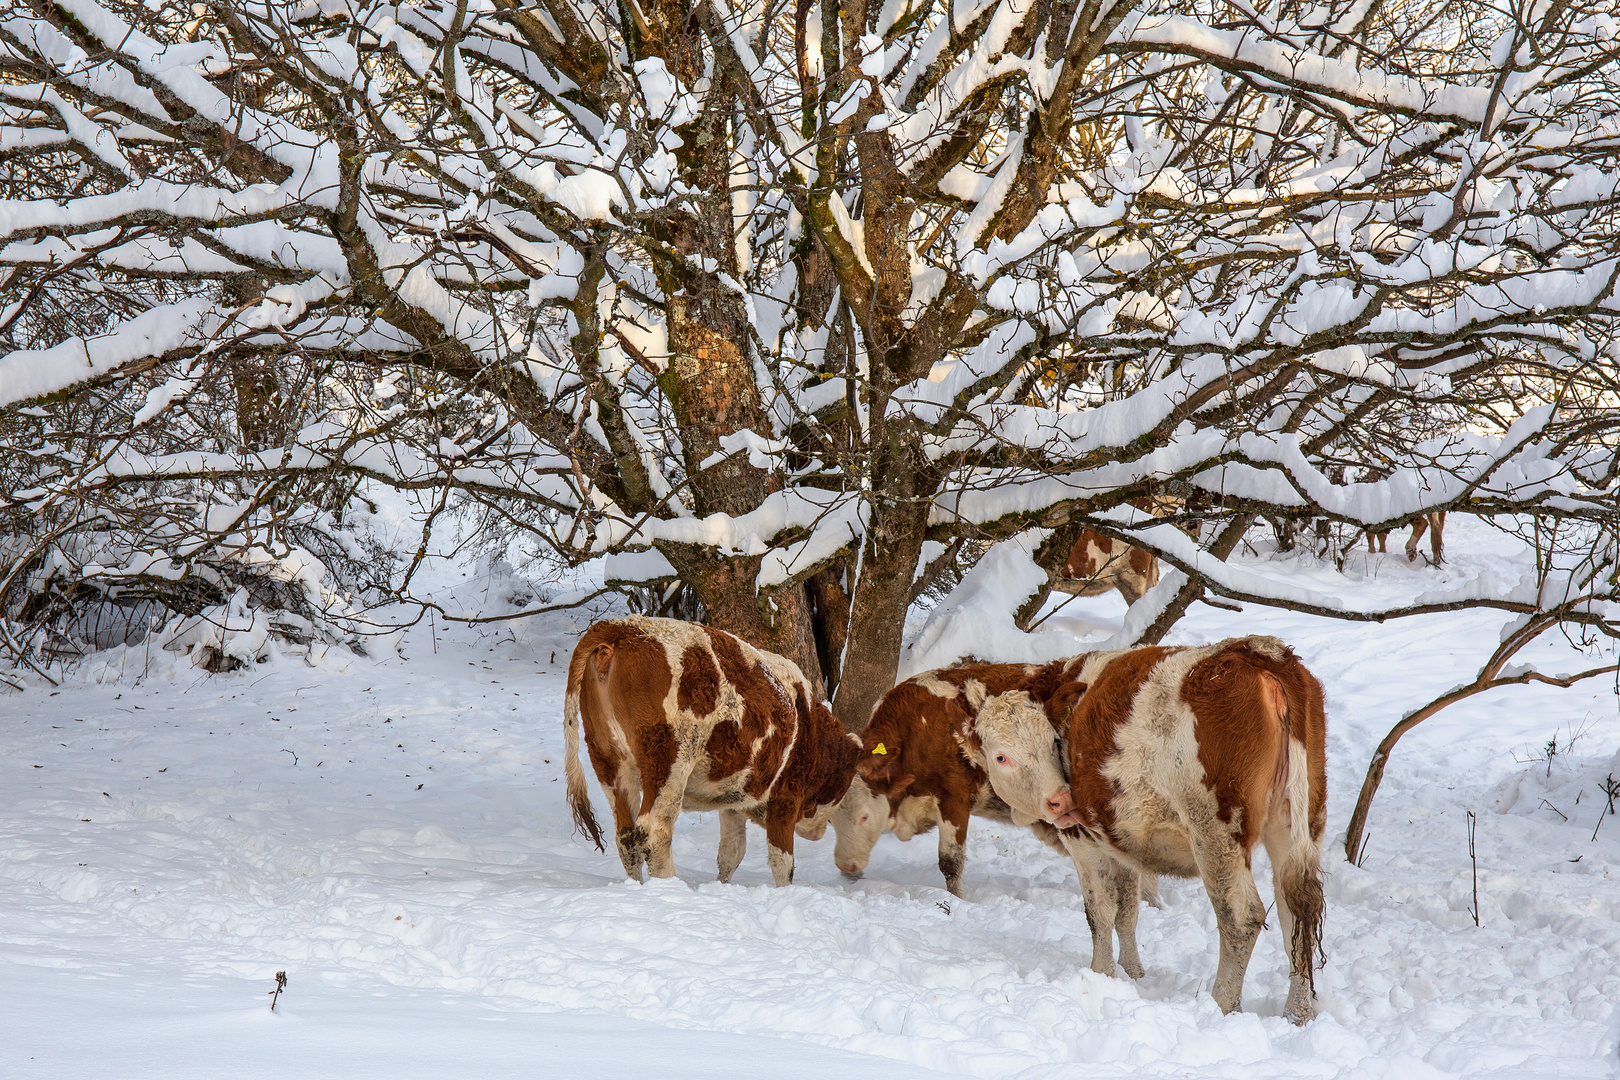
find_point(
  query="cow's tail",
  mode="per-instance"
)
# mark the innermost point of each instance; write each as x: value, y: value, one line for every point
x: 1299, y: 871
x: 579, y: 797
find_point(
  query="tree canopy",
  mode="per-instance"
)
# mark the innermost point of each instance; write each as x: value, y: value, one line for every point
x: 784, y: 300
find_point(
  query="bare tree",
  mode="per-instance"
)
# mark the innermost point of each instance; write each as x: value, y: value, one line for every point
x: 779, y: 293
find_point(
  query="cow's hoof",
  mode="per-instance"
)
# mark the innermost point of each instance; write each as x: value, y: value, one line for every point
x: 1301, y: 1008
x: 1135, y: 971
x: 851, y: 875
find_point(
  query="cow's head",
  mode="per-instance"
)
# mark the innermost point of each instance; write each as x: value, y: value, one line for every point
x: 868, y: 810
x: 1010, y: 737
x: 836, y: 756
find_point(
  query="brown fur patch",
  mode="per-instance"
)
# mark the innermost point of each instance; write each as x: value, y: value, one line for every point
x: 699, y: 688
x: 633, y: 678
x: 1141, y: 562
x: 764, y: 731
x: 1239, y: 737
x: 823, y: 760
x: 1044, y: 681
x: 1091, y: 730
x: 1307, y: 717
x: 1063, y: 701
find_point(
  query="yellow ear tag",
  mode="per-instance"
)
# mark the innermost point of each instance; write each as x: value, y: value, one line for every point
x: 880, y: 749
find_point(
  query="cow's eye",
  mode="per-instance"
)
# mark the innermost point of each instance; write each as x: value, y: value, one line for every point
x: 864, y: 818
x: 1001, y: 759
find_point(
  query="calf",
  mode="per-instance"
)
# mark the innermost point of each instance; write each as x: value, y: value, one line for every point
x: 1179, y: 761
x: 913, y: 776
x: 679, y: 716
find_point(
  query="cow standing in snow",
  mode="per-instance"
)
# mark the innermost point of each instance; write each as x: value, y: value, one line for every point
x: 913, y: 776
x: 1098, y: 564
x: 1434, y: 523
x: 1179, y: 761
x: 679, y: 716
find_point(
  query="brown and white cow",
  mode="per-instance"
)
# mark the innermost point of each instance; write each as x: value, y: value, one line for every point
x: 1098, y: 563
x: 679, y: 716
x: 913, y: 775
x: 1434, y: 523
x: 1179, y: 761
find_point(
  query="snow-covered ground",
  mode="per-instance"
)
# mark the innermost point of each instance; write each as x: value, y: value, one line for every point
x: 394, y: 838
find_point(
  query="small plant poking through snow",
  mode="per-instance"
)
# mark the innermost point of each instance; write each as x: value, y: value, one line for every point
x: 275, y: 995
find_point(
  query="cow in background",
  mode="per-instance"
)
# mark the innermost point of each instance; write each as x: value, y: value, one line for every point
x: 678, y: 716
x: 1084, y: 562
x: 1433, y: 522
x: 1097, y: 564
x: 1179, y: 761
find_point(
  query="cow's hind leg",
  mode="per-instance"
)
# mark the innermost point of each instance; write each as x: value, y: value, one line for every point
x: 659, y: 809
x: 733, y: 841
x: 1296, y: 872
x: 627, y: 831
x: 1239, y: 912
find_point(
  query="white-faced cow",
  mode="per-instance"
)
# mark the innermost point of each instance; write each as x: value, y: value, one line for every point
x: 913, y: 775
x: 1179, y: 761
x: 679, y: 716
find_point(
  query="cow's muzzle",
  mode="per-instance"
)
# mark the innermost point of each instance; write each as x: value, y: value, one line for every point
x: 1058, y: 806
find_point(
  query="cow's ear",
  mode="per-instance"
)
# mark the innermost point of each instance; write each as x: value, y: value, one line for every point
x: 968, y: 739
x: 1063, y: 701
x: 974, y: 692
x: 873, y: 767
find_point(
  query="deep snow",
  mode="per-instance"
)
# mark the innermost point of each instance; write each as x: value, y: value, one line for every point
x: 393, y: 836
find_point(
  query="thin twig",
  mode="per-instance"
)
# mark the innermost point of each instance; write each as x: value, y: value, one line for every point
x: 1475, y: 860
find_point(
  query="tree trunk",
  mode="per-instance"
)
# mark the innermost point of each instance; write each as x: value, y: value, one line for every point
x: 1051, y: 557
x: 877, y: 618
x: 777, y: 620
x: 829, y: 614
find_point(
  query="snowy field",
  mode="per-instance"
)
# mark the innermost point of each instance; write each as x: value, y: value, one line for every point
x: 392, y: 835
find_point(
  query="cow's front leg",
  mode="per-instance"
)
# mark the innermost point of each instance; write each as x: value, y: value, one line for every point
x: 953, y: 827
x: 1097, y: 890
x: 733, y: 841
x: 1127, y: 905
x: 1239, y: 911
x: 780, y: 817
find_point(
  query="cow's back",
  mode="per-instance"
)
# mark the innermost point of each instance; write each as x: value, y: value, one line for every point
x: 624, y: 676
x: 671, y: 684
x: 1163, y: 733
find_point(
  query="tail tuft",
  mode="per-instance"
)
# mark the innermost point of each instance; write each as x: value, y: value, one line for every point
x: 579, y: 797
